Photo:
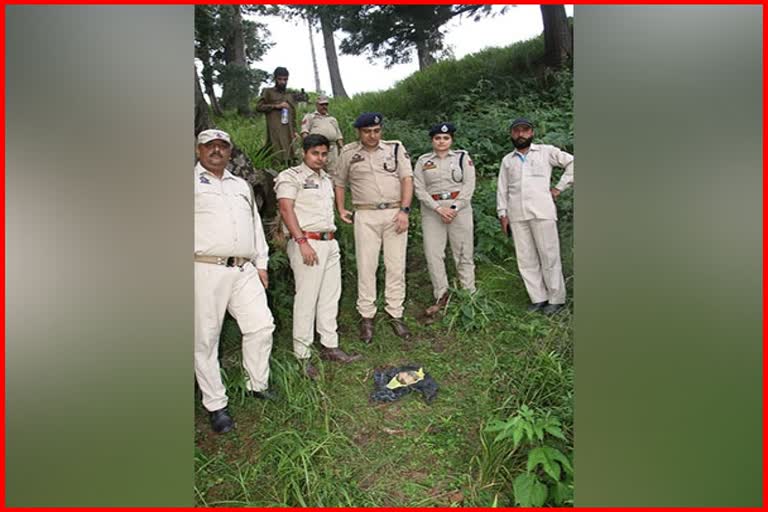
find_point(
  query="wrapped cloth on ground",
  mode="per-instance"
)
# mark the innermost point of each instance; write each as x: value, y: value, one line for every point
x: 391, y: 384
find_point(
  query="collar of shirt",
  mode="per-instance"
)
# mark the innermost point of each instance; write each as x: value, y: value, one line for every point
x: 305, y: 169
x: 450, y: 154
x: 523, y: 156
x: 361, y: 147
x: 202, y: 170
x: 319, y: 114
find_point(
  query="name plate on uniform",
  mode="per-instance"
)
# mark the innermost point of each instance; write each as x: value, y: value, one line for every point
x: 428, y: 165
x: 357, y: 157
x: 311, y: 184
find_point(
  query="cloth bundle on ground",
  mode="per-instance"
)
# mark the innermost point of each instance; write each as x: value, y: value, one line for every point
x: 392, y: 383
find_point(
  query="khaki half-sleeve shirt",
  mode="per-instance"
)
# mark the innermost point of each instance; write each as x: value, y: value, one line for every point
x: 312, y: 194
x: 373, y: 176
x: 327, y: 126
x: 434, y: 175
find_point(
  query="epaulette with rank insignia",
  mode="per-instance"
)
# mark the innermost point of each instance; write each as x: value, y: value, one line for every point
x: 348, y: 146
x: 425, y: 155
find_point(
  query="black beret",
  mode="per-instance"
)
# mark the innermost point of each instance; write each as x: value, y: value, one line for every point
x: 280, y: 71
x: 368, y: 119
x: 520, y: 121
x: 442, y: 128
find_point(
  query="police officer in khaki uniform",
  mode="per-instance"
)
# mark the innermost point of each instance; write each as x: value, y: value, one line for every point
x: 444, y: 181
x: 321, y: 123
x: 305, y: 195
x: 380, y: 178
x: 526, y: 208
x: 231, y: 256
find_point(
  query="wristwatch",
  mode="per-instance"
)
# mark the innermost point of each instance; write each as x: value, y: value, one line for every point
x: 406, y: 209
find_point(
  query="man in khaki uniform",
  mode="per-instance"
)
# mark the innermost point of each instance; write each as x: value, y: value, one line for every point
x: 380, y: 178
x: 321, y: 123
x: 444, y: 181
x: 526, y: 208
x: 231, y: 257
x: 305, y: 195
x: 279, y: 109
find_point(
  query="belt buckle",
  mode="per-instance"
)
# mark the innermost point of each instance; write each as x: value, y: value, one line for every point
x: 230, y: 261
x: 445, y: 195
x: 382, y: 206
x: 324, y: 236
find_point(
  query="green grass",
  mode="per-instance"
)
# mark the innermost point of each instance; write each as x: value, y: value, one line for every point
x: 325, y: 443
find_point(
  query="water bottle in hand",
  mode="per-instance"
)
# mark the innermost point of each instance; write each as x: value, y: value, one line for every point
x: 284, y: 116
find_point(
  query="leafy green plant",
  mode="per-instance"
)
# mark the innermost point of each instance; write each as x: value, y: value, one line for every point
x: 470, y: 312
x: 548, y: 471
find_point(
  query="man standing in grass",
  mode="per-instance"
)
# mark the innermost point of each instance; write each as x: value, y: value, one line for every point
x: 279, y: 108
x: 380, y: 178
x: 526, y: 208
x: 231, y: 256
x: 323, y: 124
x: 305, y: 196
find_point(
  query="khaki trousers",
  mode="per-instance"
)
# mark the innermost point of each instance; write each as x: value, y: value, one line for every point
x: 537, y: 247
x: 374, y: 228
x: 460, y: 235
x: 318, y: 290
x: 219, y: 289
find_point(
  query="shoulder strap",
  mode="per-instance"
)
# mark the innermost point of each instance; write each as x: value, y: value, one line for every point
x: 397, y: 147
x: 462, y: 154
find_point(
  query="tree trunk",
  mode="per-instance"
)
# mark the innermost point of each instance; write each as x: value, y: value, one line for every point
x: 202, y: 119
x: 425, y: 57
x: 209, y: 90
x: 337, y: 86
x: 314, y: 55
x: 236, y: 87
x: 558, y: 40
x: 238, y: 41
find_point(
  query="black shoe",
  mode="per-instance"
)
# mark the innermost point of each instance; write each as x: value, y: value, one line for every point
x: 537, y: 306
x: 551, y: 309
x: 310, y: 371
x: 264, y: 394
x: 366, y: 330
x: 221, y: 421
x: 399, y: 327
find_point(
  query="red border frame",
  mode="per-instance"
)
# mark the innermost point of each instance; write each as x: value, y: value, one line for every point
x: 167, y: 2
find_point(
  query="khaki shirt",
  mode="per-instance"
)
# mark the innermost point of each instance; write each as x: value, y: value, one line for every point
x: 434, y: 175
x: 312, y: 194
x: 373, y: 176
x: 326, y: 126
x: 226, y: 223
x: 524, y: 182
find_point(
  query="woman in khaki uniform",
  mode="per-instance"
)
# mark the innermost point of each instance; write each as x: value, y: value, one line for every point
x: 444, y: 181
